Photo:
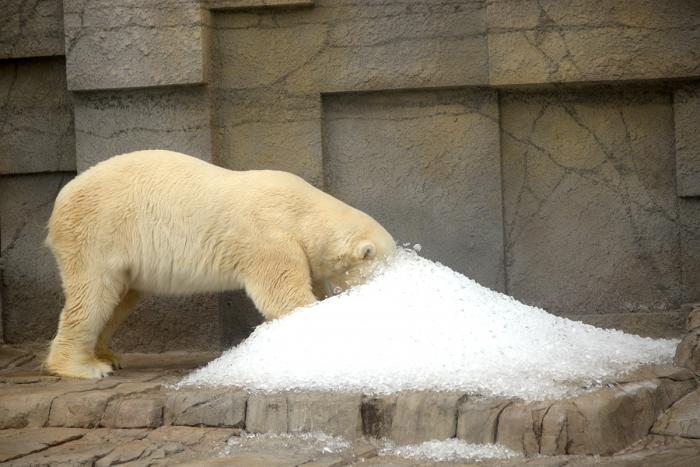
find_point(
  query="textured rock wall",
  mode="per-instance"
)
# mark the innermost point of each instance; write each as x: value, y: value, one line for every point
x: 590, y: 207
x: 505, y: 136
x: 410, y: 159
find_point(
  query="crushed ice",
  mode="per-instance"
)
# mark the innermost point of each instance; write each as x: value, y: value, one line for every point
x: 418, y: 325
x: 449, y: 450
x: 308, y: 443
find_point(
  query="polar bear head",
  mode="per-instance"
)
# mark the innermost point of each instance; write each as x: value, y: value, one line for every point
x: 352, y: 246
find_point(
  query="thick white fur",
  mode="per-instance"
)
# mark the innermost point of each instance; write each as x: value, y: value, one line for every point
x: 165, y: 223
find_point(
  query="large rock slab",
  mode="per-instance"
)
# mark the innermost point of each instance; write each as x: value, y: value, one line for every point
x: 31, y: 29
x: 422, y: 416
x: 232, y: 5
x: 269, y: 129
x: 409, y: 158
x: 689, y: 211
x: 80, y: 409
x: 601, y: 422
x: 31, y: 288
x: 378, y: 415
x: 103, y: 405
x: 340, y: 46
x: 688, y: 350
x: 37, y: 133
x: 332, y: 413
x: 117, y: 122
x: 682, y: 419
x: 546, y: 41
x: 19, y: 443
x: 686, y: 108
x: 267, y: 413
x: 144, y: 412
x: 604, y: 158
x: 221, y: 407
x: 134, y: 44
x: 21, y: 410
x: 477, y: 419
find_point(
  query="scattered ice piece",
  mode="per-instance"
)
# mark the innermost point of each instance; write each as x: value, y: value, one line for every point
x: 310, y: 443
x: 418, y: 325
x: 449, y: 450
x: 407, y: 244
x: 417, y: 247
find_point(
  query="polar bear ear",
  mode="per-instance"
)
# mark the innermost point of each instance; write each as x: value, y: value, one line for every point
x: 366, y: 250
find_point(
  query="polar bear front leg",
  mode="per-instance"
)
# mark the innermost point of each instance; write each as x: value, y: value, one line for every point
x: 88, y: 308
x: 280, y: 282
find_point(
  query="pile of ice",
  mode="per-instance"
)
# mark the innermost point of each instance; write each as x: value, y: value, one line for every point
x: 449, y: 450
x: 418, y: 325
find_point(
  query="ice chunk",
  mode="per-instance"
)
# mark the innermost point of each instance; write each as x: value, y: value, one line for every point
x: 418, y: 325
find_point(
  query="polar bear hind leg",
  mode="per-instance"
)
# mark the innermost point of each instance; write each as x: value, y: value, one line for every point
x: 121, y: 312
x: 90, y: 304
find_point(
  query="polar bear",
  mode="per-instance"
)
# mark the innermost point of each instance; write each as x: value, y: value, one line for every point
x: 160, y: 222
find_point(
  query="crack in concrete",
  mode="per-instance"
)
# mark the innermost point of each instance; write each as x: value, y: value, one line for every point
x: 47, y: 446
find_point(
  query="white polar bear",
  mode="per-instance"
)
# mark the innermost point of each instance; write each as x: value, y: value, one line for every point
x: 165, y: 223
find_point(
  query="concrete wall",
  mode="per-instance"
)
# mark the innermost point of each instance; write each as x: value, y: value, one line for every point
x: 548, y: 149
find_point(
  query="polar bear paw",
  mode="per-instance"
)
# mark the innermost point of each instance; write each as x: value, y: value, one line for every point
x: 110, y: 358
x: 87, y: 367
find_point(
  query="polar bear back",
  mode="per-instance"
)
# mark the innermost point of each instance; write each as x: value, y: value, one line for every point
x: 173, y: 221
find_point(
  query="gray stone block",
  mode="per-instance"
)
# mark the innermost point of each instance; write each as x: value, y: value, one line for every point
x: 161, y: 324
x: 600, y: 422
x: 340, y: 46
x: 410, y: 159
x: 16, y: 444
x: 689, y: 212
x: 246, y: 5
x: 682, y: 419
x: 143, y: 412
x: 131, y: 43
x: 332, y: 413
x: 422, y: 416
x: 686, y: 114
x: 111, y: 123
x: 36, y: 122
x: 269, y: 130
x: 79, y: 409
x: 21, y: 410
x: 267, y: 413
x: 31, y: 288
x: 590, y: 208
x: 31, y: 29
x: 378, y: 415
x: 544, y: 41
x: 519, y: 426
x: 216, y: 407
x: 477, y: 419
x: 688, y: 351
x: 693, y: 321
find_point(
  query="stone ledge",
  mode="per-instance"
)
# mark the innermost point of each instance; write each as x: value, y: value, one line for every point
x: 599, y: 422
x: 236, y: 5
x: 142, y: 398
